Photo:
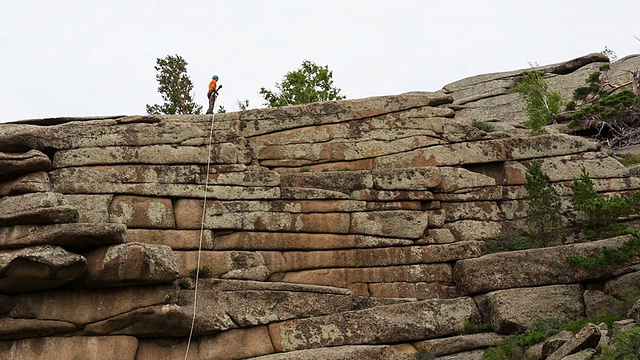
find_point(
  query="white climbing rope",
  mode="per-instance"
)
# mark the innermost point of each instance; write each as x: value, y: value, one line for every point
x: 204, y: 211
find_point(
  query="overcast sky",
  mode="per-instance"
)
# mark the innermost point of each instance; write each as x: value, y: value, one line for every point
x: 95, y: 58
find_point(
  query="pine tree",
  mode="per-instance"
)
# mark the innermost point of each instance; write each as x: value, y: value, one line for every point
x: 175, y: 87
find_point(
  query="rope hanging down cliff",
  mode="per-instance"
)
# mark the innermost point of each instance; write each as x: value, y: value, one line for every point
x: 204, y: 211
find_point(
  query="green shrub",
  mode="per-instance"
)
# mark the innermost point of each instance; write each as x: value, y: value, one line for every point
x: 483, y: 125
x: 626, y: 253
x: 508, y: 242
x: 543, y: 206
x: 541, y: 104
x: 205, y: 272
x: 630, y: 159
x: 600, y: 215
x: 472, y: 327
x: 623, y: 346
x: 507, y: 350
x: 185, y: 283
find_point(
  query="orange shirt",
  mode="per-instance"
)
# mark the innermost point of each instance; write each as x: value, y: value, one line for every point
x: 212, y: 85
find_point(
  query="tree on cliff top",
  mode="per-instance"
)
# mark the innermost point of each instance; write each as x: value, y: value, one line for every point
x: 175, y: 87
x: 310, y: 83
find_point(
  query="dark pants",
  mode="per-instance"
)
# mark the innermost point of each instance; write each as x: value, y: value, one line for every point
x: 212, y: 101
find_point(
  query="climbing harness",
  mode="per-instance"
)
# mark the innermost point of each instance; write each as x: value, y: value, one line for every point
x: 204, y: 211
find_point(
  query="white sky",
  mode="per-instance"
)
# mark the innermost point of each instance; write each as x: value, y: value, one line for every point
x: 94, y: 58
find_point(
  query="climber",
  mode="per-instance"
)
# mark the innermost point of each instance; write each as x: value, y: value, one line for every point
x: 212, y: 94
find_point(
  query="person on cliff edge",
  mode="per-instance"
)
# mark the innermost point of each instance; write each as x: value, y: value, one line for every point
x: 212, y: 94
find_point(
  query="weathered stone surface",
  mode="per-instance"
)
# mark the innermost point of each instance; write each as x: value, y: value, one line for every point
x: 91, y: 208
x: 454, y: 179
x: 384, y: 324
x: 275, y: 119
x: 401, y: 224
x: 77, y: 347
x: 342, y: 181
x: 250, y: 240
x: 13, y: 329
x: 175, y: 239
x: 302, y: 260
x: 90, y: 305
x: 228, y: 306
x: 231, y: 344
x: 456, y: 344
x: 415, y: 290
x: 344, y: 277
x: 124, y: 131
x: 29, y: 183
x: 251, y: 176
x: 587, y: 338
x: 420, y: 121
x: 142, y: 212
x: 623, y: 286
x: 128, y: 174
x: 484, y: 211
x: 38, y: 268
x: 472, y: 230
x: 514, y: 310
x: 347, y: 352
x: 407, y: 179
x: 75, y: 236
x: 520, y: 148
x: 524, y: 268
x: 36, y: 208
x: 225, y: 153
x: 131, y: 263
x: 445, y: 155
x: 311, y: 193
x: 14, y: 165
x: 598, y: 304
x: 599, y: 165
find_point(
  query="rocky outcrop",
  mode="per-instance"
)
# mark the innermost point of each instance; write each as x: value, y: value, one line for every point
x: 347, y: 230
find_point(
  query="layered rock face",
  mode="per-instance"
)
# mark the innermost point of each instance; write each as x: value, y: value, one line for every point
x: 339, y: 230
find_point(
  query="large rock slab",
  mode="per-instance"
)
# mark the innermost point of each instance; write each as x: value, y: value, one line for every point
x: 400, y: 223
x: 514, y: 310
x: 76, y: 347
x: 521, y: 148
x: 347, y: 352
x: 445, y: 155
x: 38, y: 268
x: 130, y: 264
x: 142, y: 212
x: 407, y: 179
x: 75, y: 236
x: 587, y: 338
x: 225, y: 153
x: 342, y: 181
x: 231, y: 344
x: 271, y: 120
x: 457, y: 344
x: 526, y: 268
x: 29, y: 183
x: 302, y: 260
x: 14, y: 165
x: 13, y: 329
x: 36, y: 208
x: 383, y: 324
x: 229, y: 305
x: 90, y: 305
x: 348, y: 277
x: 251, y: 240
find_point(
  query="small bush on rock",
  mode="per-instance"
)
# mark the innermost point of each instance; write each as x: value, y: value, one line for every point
x: 205, y: 272
x: 540, y: 103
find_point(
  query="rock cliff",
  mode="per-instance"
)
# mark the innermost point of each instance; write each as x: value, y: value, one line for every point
x: 338, y: 230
